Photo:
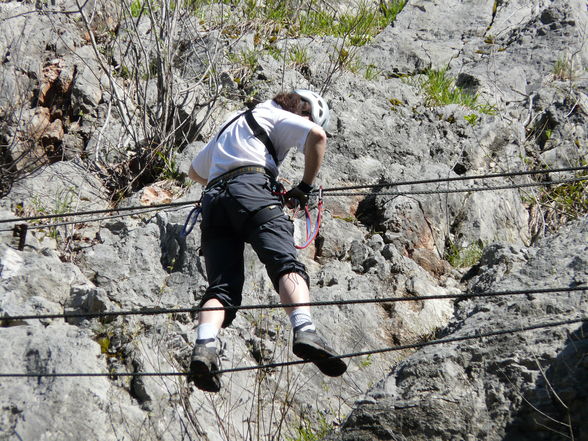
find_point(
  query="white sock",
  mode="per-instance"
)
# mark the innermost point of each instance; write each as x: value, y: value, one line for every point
x: 206, y: 334
x: 301, y: 320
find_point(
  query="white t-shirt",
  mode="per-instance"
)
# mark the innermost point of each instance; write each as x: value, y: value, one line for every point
x: 238, y: 147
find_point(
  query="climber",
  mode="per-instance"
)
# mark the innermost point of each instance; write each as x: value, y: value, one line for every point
x: 241, y: 204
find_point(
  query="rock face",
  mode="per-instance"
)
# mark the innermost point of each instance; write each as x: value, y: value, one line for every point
x: 102, y: 106
x: 521, y: 385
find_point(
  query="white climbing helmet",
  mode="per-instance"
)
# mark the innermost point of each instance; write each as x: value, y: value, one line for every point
x: 319, y: 107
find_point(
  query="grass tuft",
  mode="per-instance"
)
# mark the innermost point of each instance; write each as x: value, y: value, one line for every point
x: 464, y: 257
x: 441, y: 90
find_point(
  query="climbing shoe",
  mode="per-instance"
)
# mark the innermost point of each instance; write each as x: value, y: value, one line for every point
x: 309, y: 346
x: 204, y: 367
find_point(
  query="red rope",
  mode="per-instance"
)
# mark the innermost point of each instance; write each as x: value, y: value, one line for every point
x: 311, y: 235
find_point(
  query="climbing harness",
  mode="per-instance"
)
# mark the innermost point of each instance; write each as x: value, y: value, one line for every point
x: 267, y: 213
x: 261, y: 134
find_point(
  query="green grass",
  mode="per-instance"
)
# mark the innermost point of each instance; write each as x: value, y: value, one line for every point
x: 299, y: 56
x: 371, y: 72
x: 273, y: 21
x: 287, y: 18
x: 472, y: 119
x: 464, y: 257
x: 563, y: 69
x: 360, y: 27
x: 246, y: 62
x: 169, y: 169
x: 552, y: 206
x: 569, y: 200
x: 62, y: 204
x: 440, y: 90
x: 307, y: 431
x: 136, y: 8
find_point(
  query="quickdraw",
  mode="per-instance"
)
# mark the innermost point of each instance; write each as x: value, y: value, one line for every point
x: 191, y: 220
x: 312, y: 234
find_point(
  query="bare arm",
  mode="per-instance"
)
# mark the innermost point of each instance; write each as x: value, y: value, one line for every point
x: 314, y: 152
x: 196, y: 177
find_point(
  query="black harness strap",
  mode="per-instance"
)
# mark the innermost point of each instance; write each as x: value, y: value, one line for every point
x: 257, y: 130
x: 229, y: 123
x: 262, y: 216
x: 261, y: 134
x: 258, y: 217
x: 265, y: 214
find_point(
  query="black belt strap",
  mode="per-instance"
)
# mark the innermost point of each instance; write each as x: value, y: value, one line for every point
x: 239, y: 171
x: 257, y: 130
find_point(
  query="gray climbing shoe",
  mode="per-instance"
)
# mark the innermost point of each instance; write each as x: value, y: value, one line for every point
x: 204, y: 367
x: 309, y: 346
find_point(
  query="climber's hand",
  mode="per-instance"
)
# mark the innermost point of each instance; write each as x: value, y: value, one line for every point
x: 298, y: 196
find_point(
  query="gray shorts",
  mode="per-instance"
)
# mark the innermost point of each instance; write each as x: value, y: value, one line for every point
x: 227, y: 209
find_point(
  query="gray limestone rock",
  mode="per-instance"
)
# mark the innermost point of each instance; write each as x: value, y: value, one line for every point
x: 428, y: 35
x: 501, y: 387
x: 525, y: 61
x: 88, y: 84
x: 35, y: 283
x: 44, y: 408
x: 60, y: 188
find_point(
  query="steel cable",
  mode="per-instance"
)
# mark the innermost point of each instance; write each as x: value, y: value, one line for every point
x: 462, y: 190
x: 158, y: 311
x: 395, y: 193
x: 458, y: 178
x: 336, y: 191
x: 477, y: 336
x: 101, y: 211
